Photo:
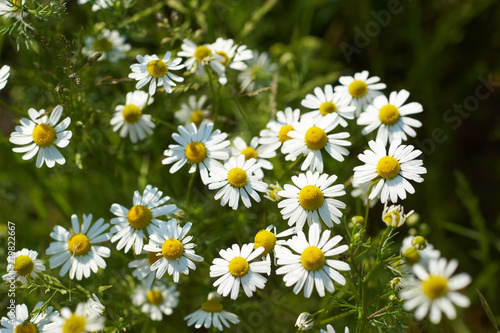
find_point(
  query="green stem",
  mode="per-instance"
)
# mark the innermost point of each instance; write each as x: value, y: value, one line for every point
x: 166, y: 123
x: 188, y: 193
x: 236, y: 227
x: 8, y: 106
x: 368, y: 201
x: 252, y: 130
x: 214, y: 96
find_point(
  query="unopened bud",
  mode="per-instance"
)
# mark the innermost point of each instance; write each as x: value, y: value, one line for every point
x: 395, y: 284
x: 419, y: 243
x: 358, y: 221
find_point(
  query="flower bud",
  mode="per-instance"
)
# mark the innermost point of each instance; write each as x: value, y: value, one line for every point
x: 305, y: 321
x: 419, y: 243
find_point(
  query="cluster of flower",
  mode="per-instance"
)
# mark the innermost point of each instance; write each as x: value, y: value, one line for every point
x: 236, y: 173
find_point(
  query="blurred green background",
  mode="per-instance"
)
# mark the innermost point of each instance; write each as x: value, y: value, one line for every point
x: 445, y: 53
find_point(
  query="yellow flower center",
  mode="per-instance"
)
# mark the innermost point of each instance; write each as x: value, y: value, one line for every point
x: 389, y: 114
x: 74, y: 324
x: 23, y: 265
x: 224, y: 55
x: 388, y: 167
x: 16, y: 5
x: 102, y: 44
x: 196, y: 152
x: 327, y: 108
x: 238, y: 266
x: 44, y: 135
x: 266, y: 239
x: 274, y: 194
x: 139, y: 216
x: 157, y: 68
x: 237, y: 177
x: 172, y: 249
x: 79, y: 244
x: 283, y: 134
x: 197, y: 117
x: 311, y: 197
x: 154, y: 297
x: 312, y: 258
x: 358, y: 88
x: 249, y: 153
x: 212, y: 306
x: 435, y: 286
x: 388, y: 219
x: 131, y: 113
x: 153, y: 257
x: 315, y: 138
x: 411, y: 256
x: 26, y: 328
x: 201, y: 53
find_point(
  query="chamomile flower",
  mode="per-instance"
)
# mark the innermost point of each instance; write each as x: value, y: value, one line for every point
x: 143, y: 270
x: 172, y: 245
x: 325, y: 102
x: 394, y: 215
x: 193, y: 111
x: 269, y: 240
x: 412, y: 255
x: 434, y: 290
x: 75, y: 322
x: 4, y: 76
x: 233, y: 55
x: 360, y: 89
x: 21, y: 264
x: 12, y: 9
x: 311, y: 198
x: 272, y: 192
x: 361, y: 190
x: 130, y: 119
x: 391, y: 117
x: 310, y: 137
x: 305, y: 322
x: 156, y: 72
x: 329, y: 329
x: 77, y: 251
x: 41, y: 134
x: 20, y: 323
x: 199, y: 56
x: 210, y: 314
x: 200, y: 147
x: 277, y: 130
x: 157, y: 300
x: 258, y: 73
x: 392, y: 168
x: 132, y: 225
x: 310, y: 265
x: 253, y: 150
x: 94, y: 308
x: 237, y: 179
x: 110, y: 43
x: 236, y: 270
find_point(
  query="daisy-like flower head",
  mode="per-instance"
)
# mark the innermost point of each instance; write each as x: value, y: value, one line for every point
x: 434, y: 290
x: 4, y: 75
x: 157, y: 300
x: 311, y: 266
x: 132, y: 225
x: 110, y: 43
x: 237, y: 179
x: 329, y: 329
x: 394, y: 215
x: 310, y: 198
x: 37, y: 323
x: 130, y: 118
x: 143, y: 270
x: 200, y: 147
x: 193, y: 111
x: 21, y: 264
x: 233, y: 55
x: 94, y: 308
x: 305, y: 322
x: 211, y: 313
x: 361, y: 190
x: 258, y: 73
x: 156, y: 72
x: 172, y: 244
x: 77, y: 251
x: 269, y: 240
x: 41, y: 135
x: 277, y: 132
x: 393, y: 169
x: 253, y: 150
x: 310, y: 137
x: 236, y: 269
x: 199, y: 56
x: 412, y: 256
x: 325, y: 102
x: 12, y: 9
x: 391, y: 117
x: 75, y: 322
x: 272, y: 192
x: 360, y: 89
